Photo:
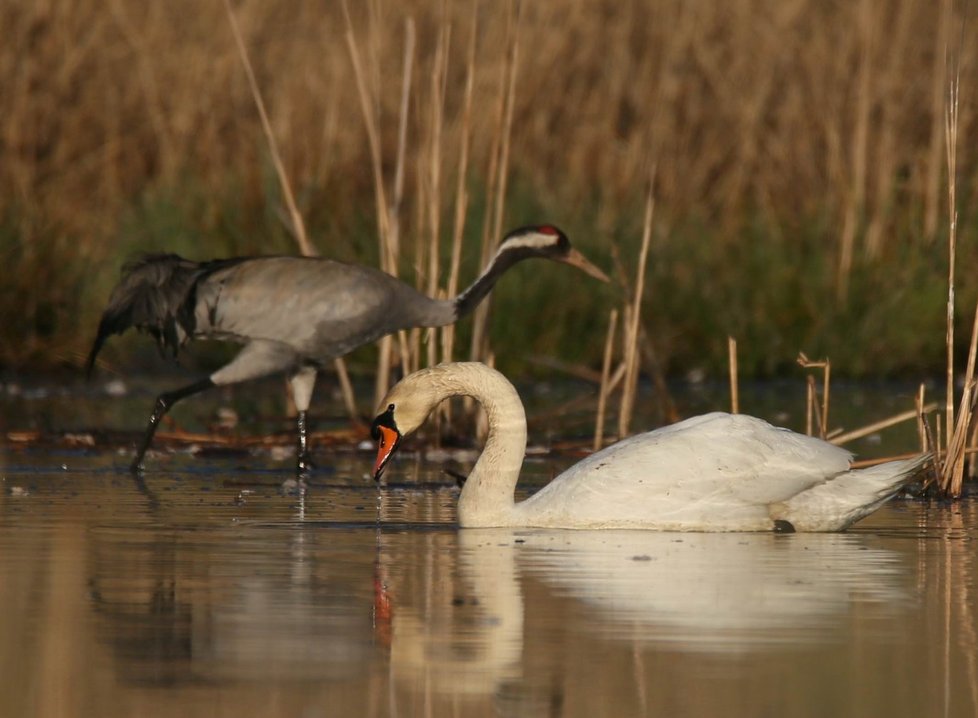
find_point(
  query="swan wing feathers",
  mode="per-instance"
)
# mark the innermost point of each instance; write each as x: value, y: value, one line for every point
x: 713, y: 471
x: 835, y: 505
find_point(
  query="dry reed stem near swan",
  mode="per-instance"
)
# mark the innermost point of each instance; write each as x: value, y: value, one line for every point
x: 716, y: 472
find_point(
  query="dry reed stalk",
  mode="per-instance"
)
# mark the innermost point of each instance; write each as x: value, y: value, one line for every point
x: 937, y: 134
x: 953, y: 468
x: 461, y: 200
x: 734, y: 388
x: 388, y: 216
x: 298, y: 226
x: 953, y: 472
x: 915, y: 413
x: 811, y: 405
x: 498, y: 173
x: 666, y: 405
x: 387, y: 260
x: 439, y: 79
x: 394, y: 238
x: 603, y: 391
x: 856, y: 199
x: 864, y: 463
x: 892, y: 77
x: 138, y: 43
x: 823, y: 414
x: 950, y: 140
x: 935, y: 442
x: 971, y: 449
x: 461, y: 194
x: 921, y: 426
x: 691, y: 113
x: 630, y: 383
x: 80, y: 126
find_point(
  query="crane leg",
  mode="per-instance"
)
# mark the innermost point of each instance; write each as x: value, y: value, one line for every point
x: 303, y: 382
x: 164, y: 402
x: 303, y: 463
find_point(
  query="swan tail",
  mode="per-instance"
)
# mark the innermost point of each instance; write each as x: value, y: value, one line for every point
x: 840, y: 502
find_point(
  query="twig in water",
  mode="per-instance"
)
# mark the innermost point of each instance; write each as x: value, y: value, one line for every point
x: 882, y: 424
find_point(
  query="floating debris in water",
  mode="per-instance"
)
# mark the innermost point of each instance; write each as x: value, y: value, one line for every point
x: 227, y: 418
x: 444, y: 454
x: 116, y: 387
x: 79, y: 439
x: 281, y: 453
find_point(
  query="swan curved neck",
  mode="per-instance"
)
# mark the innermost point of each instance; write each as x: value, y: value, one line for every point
x: 487, y: 498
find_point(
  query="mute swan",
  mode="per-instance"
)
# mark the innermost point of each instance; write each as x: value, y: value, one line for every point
x: 717, y: 472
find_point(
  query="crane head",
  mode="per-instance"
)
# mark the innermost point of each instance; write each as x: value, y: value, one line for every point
x: 546, y: 240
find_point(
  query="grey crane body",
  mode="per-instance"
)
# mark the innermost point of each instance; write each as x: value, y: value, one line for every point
x: 293, y: 314
x: 314, y: 309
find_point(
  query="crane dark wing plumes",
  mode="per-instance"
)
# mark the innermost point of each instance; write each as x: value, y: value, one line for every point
x: 156, y: 295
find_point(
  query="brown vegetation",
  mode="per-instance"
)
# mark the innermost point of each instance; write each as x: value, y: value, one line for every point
x: 787, y: 110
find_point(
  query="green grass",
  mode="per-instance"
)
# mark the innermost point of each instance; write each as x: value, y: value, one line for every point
x: 771, y: 286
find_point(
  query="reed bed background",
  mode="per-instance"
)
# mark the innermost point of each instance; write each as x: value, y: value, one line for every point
x: 800, y: 181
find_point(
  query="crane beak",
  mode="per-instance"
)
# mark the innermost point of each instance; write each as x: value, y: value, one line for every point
x: 387, y: 444
x: 576, y: 259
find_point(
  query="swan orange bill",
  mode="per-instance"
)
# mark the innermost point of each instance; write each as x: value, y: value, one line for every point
x: 387, y: 442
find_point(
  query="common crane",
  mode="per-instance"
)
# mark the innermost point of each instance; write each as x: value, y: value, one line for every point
x: 293, y: 314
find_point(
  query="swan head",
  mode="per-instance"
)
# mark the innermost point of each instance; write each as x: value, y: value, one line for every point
x: 408, y: 404
x: 406, y: 407
x: 388, y: 437
x: 545, y: 240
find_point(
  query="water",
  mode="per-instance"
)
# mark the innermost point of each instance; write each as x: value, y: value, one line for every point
x: 210, y: 593
x: 205, y: 591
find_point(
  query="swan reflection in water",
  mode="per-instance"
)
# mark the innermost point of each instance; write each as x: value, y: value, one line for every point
x: 470, y: 613
x: 718, y: 593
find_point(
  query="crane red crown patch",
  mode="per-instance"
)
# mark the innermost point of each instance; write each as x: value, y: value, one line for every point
x: 547, y: 229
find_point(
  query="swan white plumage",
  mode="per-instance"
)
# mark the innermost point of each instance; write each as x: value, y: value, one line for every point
x: 716, y: 472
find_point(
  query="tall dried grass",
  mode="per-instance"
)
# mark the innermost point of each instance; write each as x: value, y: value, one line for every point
x: 772, y: 108
x: 787, y: 106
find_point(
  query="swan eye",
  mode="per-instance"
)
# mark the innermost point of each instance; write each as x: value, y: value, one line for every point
x: 385, y: 419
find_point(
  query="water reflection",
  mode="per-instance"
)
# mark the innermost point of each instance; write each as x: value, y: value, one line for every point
x: 207, y: 600
x: 176, y: 610
x: 714, y: 592
x: 809, y: 624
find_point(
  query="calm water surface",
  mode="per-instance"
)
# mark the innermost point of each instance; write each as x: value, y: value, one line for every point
x: 206, y: 592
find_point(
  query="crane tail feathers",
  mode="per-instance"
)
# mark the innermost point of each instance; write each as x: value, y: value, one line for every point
x: 96, y: 348
x: 155, y: 295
